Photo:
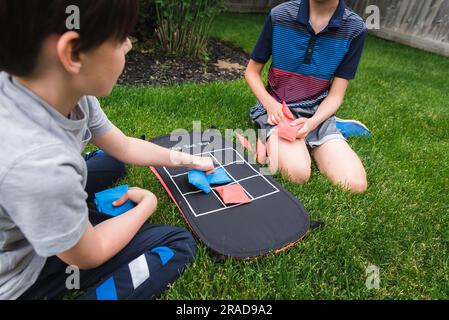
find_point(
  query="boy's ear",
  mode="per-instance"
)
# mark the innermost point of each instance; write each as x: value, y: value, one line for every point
x: 69, y: 58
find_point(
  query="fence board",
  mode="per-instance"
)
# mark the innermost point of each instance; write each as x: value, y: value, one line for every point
x: 422, y: 24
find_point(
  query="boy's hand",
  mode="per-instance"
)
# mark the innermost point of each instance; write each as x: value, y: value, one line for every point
x: 305, y: 129
x: 136, y: 195
x: 274, y: 112
x: 203, y: 164
x: 104, y: 241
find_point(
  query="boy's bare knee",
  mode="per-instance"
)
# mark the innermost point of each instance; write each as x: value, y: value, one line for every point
x: 295, y: 174
x: 154, y: 201
x: 357, y: 186
x: 274, y: 169
x: 298, y: 174
x: 302, y: 178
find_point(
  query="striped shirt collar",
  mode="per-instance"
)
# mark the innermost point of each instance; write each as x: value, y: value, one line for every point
x: 335, y: 22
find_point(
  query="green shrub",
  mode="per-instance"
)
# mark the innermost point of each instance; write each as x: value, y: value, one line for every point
x: 183, y: 25
x: 146, y: 25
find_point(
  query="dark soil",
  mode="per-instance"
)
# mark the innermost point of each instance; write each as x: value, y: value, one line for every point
x: 150, y: 68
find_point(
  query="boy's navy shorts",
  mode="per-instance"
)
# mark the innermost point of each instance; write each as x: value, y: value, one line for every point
x: 327, y: 131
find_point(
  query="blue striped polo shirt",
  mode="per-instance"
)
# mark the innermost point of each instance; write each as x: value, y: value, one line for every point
x: 303, y: 62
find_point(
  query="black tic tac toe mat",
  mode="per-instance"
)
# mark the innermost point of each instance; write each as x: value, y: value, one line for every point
x: 273, y: 221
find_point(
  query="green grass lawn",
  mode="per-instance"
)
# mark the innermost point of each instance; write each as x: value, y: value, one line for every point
x: 399, y: 225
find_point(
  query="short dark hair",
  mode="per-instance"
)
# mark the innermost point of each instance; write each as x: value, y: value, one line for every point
x: 24, y: 25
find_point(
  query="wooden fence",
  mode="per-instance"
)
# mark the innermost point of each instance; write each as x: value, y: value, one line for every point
x: 422, y: 24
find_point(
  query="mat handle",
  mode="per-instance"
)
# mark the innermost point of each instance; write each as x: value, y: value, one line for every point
x: 317, y: 224
x: 217, y: 257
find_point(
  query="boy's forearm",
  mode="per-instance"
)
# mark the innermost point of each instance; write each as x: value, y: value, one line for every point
x: 332, y: 103
x: 256, y: 85
x: 144, y: 154
x: 254, y: 79
x: 327, y: 109
x: 116, y: 233
x: 102, y: 242
x: 139, y: 152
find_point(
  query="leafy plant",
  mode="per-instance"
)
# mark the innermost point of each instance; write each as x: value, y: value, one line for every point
x: 183, y: 25
x: 146, y: 25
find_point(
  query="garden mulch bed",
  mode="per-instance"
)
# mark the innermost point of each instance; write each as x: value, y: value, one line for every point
x: 226, y: 62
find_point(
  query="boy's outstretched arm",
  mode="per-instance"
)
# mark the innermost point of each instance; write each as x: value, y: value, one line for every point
x: 99, y: 244
x: 142, y: 153
x: 254, y: 79
x: 327, y: 108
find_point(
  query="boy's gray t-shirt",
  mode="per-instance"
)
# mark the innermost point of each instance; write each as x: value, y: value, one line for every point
x: 43, y: 210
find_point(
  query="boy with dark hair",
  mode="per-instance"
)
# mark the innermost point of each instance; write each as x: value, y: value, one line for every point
x: 48, y: 113
x: 316, y: 47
